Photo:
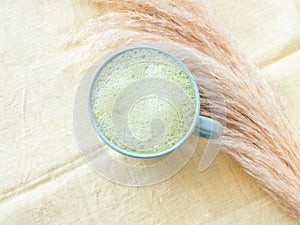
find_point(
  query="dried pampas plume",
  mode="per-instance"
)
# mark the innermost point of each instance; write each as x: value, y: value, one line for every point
x: 257, y: 132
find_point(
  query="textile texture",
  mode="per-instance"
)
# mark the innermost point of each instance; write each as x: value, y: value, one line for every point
x: 46, y: 48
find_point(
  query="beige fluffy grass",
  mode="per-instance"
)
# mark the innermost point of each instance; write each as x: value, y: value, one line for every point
x: 257, y: 132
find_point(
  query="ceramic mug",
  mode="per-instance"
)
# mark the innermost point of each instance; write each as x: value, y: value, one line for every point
x: 203, y: 126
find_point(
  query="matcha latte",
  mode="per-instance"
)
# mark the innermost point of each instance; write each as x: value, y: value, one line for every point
x: 143, y: 101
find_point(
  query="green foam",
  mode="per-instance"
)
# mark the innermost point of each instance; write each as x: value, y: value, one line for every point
x: 131, y: 67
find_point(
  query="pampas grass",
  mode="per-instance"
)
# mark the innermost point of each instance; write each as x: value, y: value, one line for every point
x: 257, y: 132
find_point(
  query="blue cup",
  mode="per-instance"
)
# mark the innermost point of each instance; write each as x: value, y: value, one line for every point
x: 205, y: 127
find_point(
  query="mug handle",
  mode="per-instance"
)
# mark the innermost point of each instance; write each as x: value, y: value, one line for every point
x: 209, y: 128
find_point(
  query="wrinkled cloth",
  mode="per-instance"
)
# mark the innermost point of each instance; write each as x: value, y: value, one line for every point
x: 43, y: 178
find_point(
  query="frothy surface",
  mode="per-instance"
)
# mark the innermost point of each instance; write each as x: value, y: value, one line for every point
x: 143, y: 101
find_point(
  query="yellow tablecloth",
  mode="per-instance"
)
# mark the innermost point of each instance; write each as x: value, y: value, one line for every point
x: 43, y: 178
